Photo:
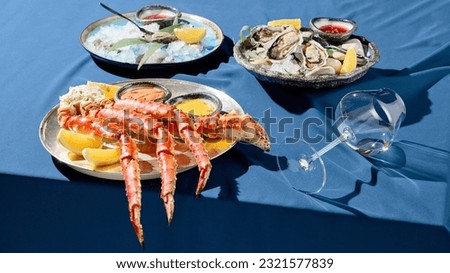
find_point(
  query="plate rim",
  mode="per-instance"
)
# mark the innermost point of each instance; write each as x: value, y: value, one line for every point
x: 89, y: 28
x: 118, y: 175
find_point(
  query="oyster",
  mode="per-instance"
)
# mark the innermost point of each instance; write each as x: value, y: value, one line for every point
x: 261, y: 35
x: 160, y: 37
x: 315, y: 55
x: 284, y: 44
x: 267, y: 44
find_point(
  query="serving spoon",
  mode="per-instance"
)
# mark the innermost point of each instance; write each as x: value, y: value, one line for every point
x: 126, y: 18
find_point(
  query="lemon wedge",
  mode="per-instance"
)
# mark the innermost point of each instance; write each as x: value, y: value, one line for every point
x: 76, y: 142
x: 349, y: 63
x: 74, y: 157
x: 109, y: 90
x: 295, y: 22
x: 101, y: 157
x: 191, y: 35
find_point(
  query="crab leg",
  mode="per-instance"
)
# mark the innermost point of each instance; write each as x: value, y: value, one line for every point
x: 185, y: 129
x: 131, y: 174
x: 85, y: 125
x: 168, y: 165
x: 234, y: 127
x: 164, y: 149
x: 196, y: 145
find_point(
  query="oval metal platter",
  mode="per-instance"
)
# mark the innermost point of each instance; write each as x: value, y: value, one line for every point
x: 49, y: 129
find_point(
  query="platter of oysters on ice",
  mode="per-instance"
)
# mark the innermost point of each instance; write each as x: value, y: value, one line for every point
x: 327, y: 54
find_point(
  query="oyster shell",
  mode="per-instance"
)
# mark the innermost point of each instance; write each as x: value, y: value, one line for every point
x: 284, y: 44
x: 261, y: 35
x: 315, y: 55
x: 160, y: 37
x: 319, y: 71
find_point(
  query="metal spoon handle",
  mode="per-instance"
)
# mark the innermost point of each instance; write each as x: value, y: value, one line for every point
x: 343, y: 50
x: 325, y: 44
x: 126, y: 18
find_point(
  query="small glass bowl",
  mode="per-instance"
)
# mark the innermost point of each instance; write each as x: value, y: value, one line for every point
x: 208, y: 98
x: 161, y: 14
x: 335, y: 30
x: 149, y: 91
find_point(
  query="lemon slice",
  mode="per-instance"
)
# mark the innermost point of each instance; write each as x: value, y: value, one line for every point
x: 101, y: 157
x: 109, y: 90
x: 76, y: 142
x: 296, y: 22
x: 349, y: 63
x: 191, y: 35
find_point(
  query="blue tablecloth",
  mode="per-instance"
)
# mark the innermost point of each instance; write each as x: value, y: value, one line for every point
x: 366, y: 206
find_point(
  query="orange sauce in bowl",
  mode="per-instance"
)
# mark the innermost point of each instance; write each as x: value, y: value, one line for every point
x: 144, y: 94
x: 196, y: 106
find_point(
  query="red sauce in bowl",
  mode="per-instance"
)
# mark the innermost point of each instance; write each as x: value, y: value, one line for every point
x: 156, y: 16
x: 334, y: 29
x: 144, y: 94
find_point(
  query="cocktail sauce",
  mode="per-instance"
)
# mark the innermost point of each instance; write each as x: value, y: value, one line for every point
x: 334, y: 29
x: 156, y: 16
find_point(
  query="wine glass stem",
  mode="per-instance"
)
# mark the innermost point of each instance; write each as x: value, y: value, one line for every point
x: 343, y: 137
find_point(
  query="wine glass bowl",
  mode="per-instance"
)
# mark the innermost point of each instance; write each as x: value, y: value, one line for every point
x: 372, y: 117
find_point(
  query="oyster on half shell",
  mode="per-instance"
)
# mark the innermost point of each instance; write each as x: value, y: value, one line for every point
x: 261, y: 35
x: 311, y: 55
x: 284, y: 44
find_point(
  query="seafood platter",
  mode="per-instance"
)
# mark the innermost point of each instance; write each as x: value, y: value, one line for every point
x: 153, y: 128
x: 306, y: 57
x: 155, y: 44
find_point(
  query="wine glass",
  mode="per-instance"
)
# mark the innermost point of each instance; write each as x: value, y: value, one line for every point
x: 366, y: 120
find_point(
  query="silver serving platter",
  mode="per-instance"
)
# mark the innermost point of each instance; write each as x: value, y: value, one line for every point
x: 49, y: 129
x: 315, y: 82
x: 91, y: 28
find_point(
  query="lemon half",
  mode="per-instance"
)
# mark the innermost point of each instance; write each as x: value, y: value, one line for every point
x: 295, y: 22
x: 191, y: 35
x: 76, y: 142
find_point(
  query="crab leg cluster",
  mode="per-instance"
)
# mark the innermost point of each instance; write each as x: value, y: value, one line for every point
x: 122, y: 120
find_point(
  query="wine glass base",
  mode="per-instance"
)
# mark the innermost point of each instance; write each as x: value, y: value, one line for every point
x: 300, y: 173
x: 306, y: 164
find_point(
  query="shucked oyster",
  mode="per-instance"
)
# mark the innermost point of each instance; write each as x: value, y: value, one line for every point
x: 268, y: 44
x: 284, y: 44
x: 261, y: 35
x: 311, y: 55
